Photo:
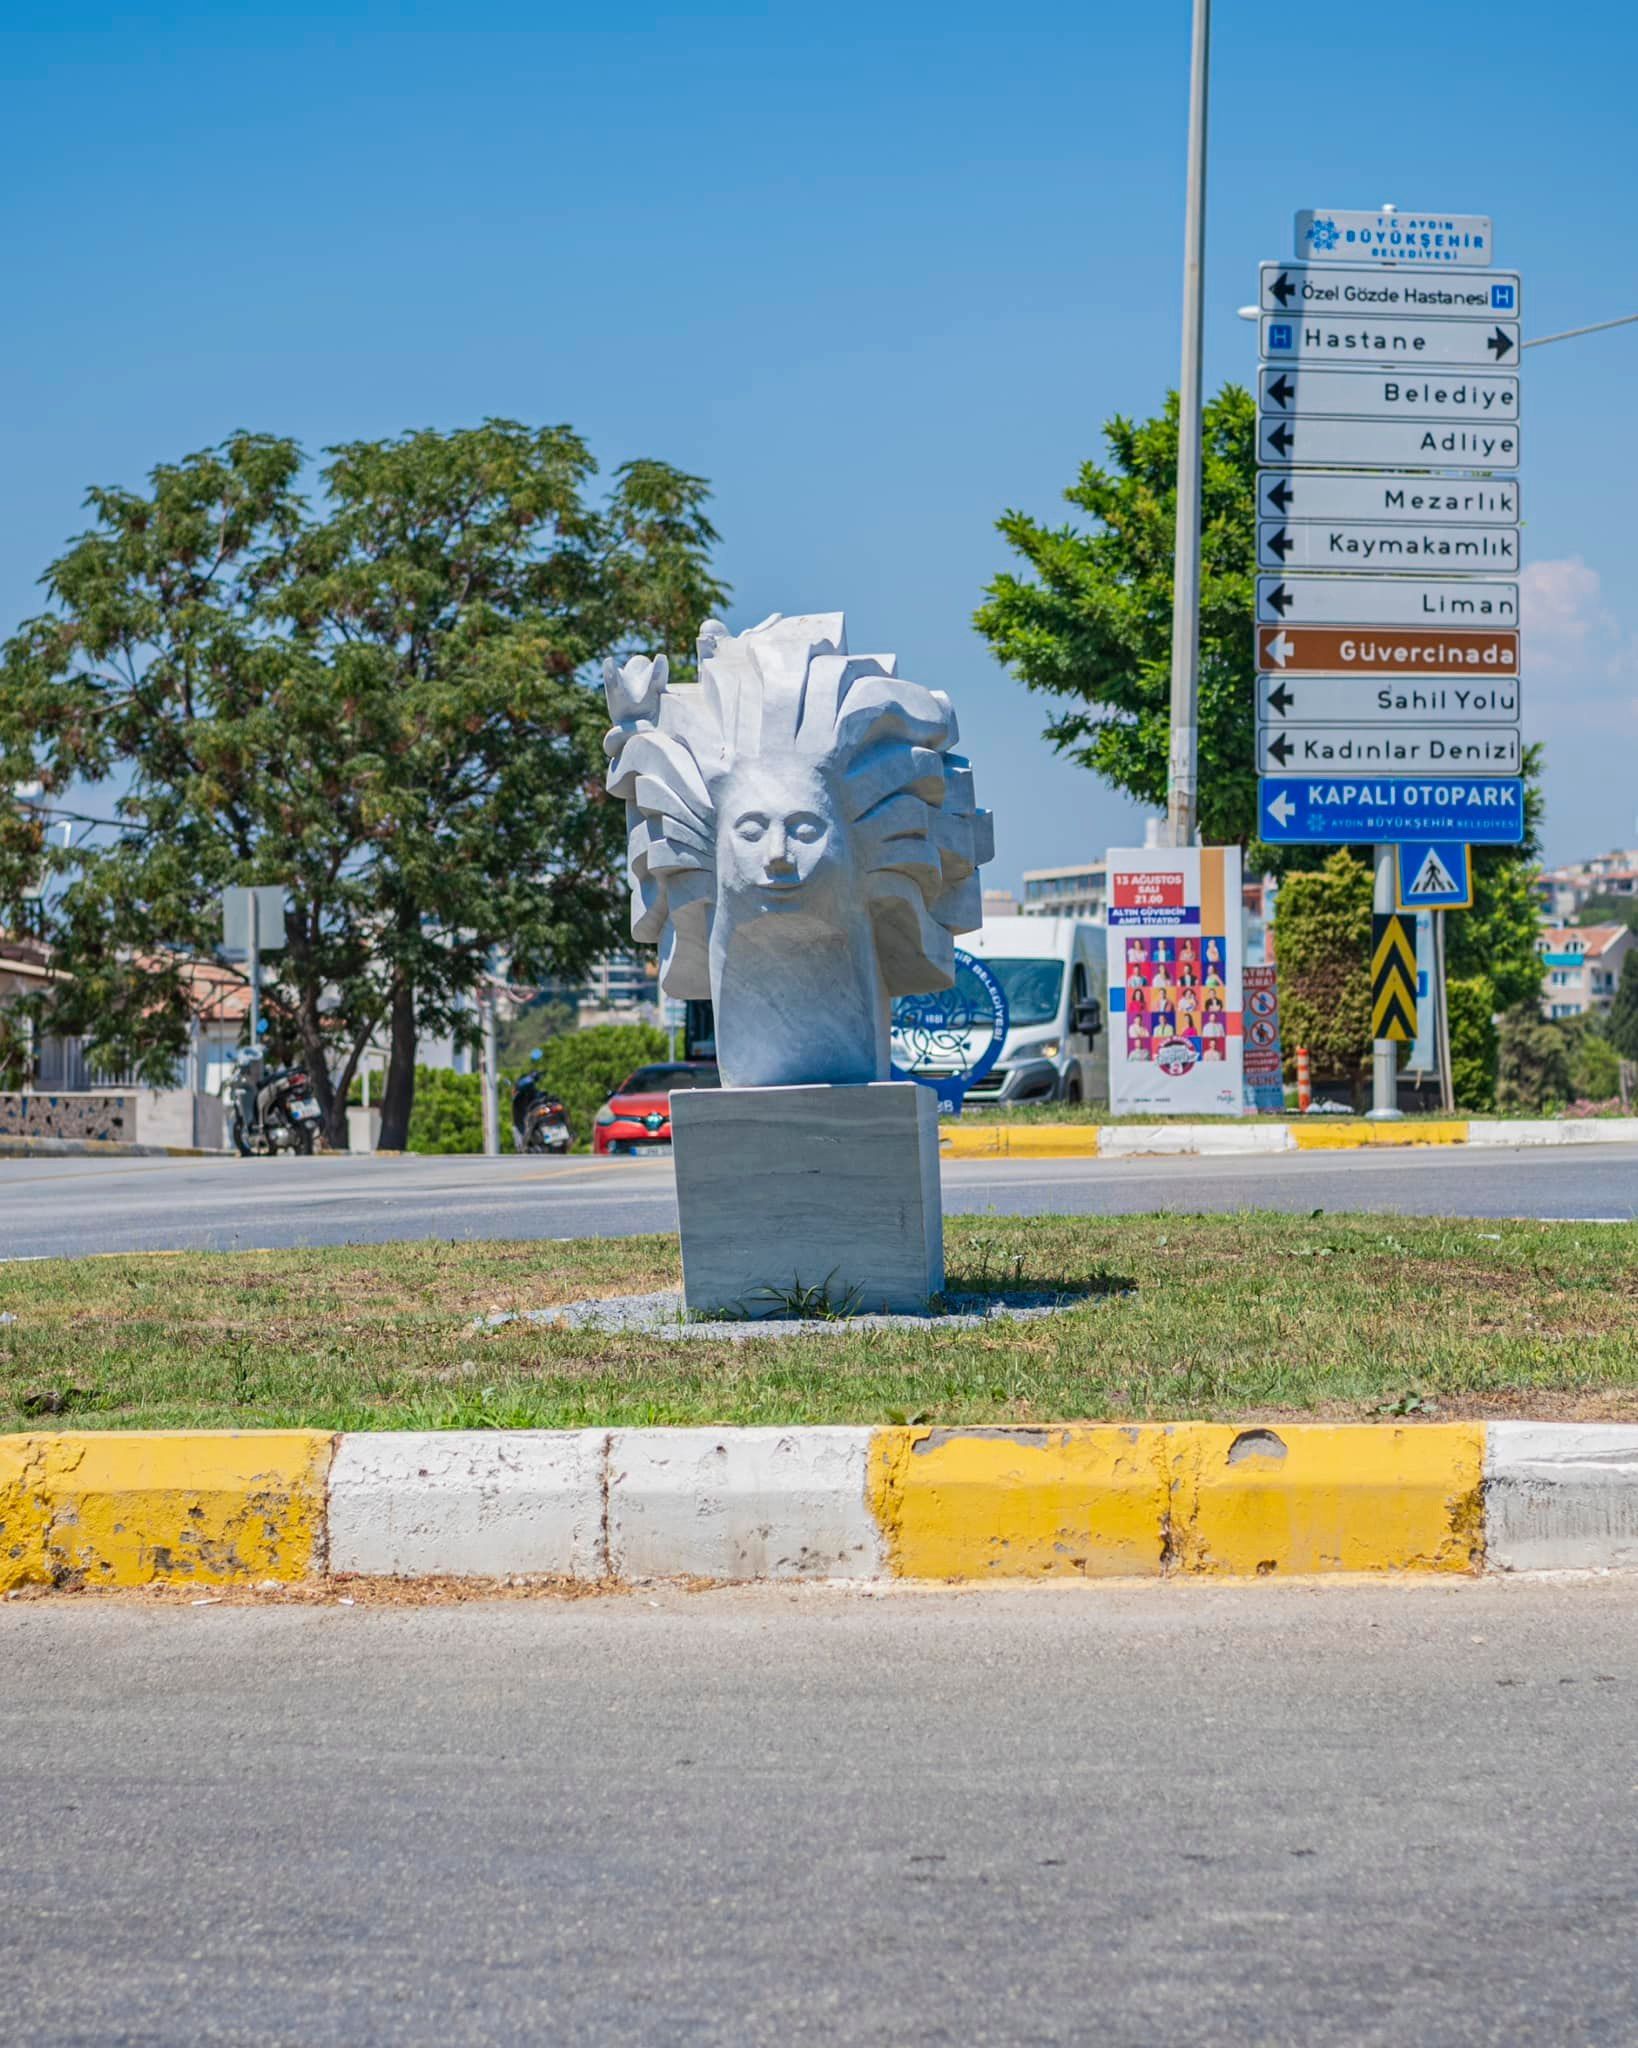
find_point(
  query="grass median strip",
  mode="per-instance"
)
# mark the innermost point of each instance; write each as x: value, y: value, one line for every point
x: 1219, y: 1318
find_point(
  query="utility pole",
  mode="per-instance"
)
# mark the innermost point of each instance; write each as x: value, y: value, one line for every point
x: 1183, y: 764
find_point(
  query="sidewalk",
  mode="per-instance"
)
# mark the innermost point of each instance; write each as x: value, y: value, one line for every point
x: 1075, y: 1500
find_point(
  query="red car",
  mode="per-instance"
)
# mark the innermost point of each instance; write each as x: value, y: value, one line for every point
x: 636, y: 1119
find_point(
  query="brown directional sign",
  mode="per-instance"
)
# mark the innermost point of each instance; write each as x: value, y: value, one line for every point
x: 1381, y: 651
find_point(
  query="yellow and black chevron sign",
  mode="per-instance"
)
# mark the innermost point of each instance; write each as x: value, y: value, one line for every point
x: 1393, y: 976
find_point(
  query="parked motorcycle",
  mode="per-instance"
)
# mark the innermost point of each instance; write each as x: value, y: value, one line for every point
x: 270, y: 1111
x: 540, y: 1123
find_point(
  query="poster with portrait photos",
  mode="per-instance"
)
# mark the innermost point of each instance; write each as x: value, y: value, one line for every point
x: 1176, y: 1042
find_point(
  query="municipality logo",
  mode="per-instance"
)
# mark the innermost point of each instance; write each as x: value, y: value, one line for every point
x: 1323, y: 234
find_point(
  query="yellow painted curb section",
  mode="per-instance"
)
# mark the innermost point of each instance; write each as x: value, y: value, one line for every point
x: 1018, y: 1141
x: 144, y: 1508
x: 1317, y: 1497
x: 1327, y: 1134
x: 1083, y: 1500
x: 1097, y: 1500
x: 22, y: 1512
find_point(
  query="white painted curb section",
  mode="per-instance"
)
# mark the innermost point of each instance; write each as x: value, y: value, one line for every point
x: 1150, y: 1141
x: 480, y: 1503
x: 742, y: 1504
x: 1561, y: 1496
x: 1604, y: 1130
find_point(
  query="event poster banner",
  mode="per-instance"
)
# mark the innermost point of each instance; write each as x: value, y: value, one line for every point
x: 1175, y: 1043
x: 1265, y: 1074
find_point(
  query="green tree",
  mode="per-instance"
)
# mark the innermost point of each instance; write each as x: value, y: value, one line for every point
x: 383, y: 702
x: 1623, y: 1024
x: 1472, y: 1041
x: 1091, y: 622
x: 1595, y: 1065
x: 1533, y: 1062
x: 1323, y: 925
x: 1609, y: 910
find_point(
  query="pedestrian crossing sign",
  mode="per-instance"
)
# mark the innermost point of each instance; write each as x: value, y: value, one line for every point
x: 1435, y: 874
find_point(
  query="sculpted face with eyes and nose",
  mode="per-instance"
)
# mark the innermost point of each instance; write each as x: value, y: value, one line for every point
x: 780, y: 838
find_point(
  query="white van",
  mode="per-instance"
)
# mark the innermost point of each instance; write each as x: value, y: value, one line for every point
x: 1054, y: 973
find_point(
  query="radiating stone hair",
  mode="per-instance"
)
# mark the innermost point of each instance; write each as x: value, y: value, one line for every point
x: 789, y: 690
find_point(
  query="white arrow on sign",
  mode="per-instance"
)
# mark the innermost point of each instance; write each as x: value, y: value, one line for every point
x: 1373, y: 391
x: 1282, y: 810
x: 1393, y: 750
x: 1388, y: 700
x: 1402, y: 344
x: 1385, y: 444
x: 1386, y: 289
x: 1296, y: 544
x: 1385, y: 601
x: 1397, y: 498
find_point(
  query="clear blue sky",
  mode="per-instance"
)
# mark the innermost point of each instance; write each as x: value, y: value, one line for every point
x: 877, y: 271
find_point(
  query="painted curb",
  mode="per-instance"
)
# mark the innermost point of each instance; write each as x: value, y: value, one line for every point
x: 742, y: 1504
x: 1073, y: 1500
x: 469, y: 1502
x: 1323, y: 1134
x: 1561, y: 1496
x: 160, y: 1507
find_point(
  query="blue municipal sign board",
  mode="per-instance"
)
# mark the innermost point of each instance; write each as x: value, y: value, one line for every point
x: 1435, y: 874
x: 951, y: 1038
x: 1324, y: 810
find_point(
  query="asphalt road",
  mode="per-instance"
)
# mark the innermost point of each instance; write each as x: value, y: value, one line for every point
x: 1268, y: 1815
x: 57, y: 1207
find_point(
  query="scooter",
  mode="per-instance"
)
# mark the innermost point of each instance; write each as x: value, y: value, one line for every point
x: 540, y: 1123
x: 270, y: 1111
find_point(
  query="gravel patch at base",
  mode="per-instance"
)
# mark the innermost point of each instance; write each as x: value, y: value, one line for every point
x: 661, y: 1315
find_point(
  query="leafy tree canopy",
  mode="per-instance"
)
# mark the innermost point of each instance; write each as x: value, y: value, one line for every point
x: 1091, y: 622
x: 381, y: 701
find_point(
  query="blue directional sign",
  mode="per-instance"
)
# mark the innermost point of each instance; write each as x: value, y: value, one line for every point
x: 1435, y: 874
x: 1335, y: 810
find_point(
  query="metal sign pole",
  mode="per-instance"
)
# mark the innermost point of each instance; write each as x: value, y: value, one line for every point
x: 1384, y: 1051
x: 1183, y: 768
x: 255, y: 972
x: 491, y: 1080
x: 1441, y: 1015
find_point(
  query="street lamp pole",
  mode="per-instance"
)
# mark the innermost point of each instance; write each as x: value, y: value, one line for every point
x: 1183, y: 765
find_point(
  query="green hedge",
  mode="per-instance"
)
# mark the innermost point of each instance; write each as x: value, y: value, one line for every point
x: 448, y: 1112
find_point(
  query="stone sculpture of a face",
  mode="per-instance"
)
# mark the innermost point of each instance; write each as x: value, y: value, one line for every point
x: 802, y: 844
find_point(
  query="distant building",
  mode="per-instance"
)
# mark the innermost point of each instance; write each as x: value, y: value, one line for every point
x: 1562, y: 891
x: 1582, y: 966
x: 1067, y: 892
x: 1000, y: 903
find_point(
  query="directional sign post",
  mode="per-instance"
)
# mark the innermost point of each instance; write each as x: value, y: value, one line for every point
x: 1334, y: 339
x: 1387, y: 701
x: 1355, y: 810
x: 1286, y: 748
x: 1399, y: 498
x: 1385, y: 601
x: 1374, y: 288
x: 1387, y: 614
x: 1358, y: 650
x: 1355, y: 544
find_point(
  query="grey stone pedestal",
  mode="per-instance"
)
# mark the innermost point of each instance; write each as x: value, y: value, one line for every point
x: 787, y: 1188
